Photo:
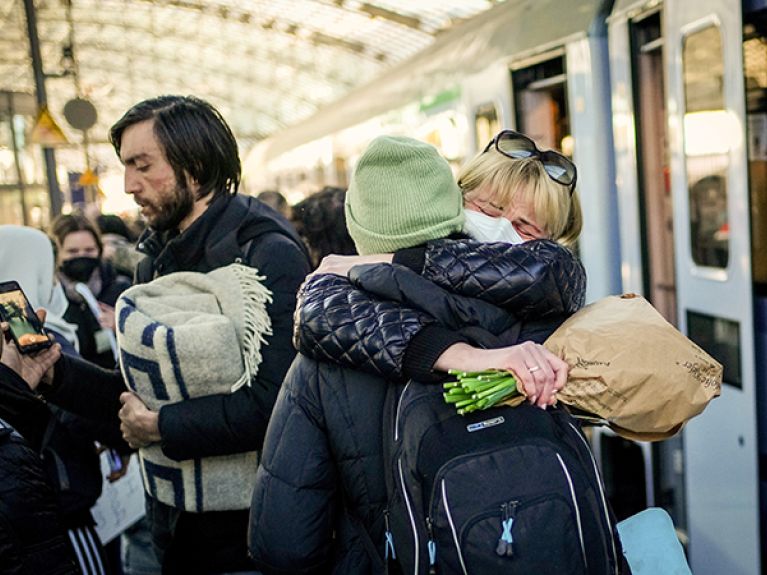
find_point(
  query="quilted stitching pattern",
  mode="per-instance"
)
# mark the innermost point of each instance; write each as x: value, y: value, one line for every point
x: 336, y: 322
x: 533, y: 280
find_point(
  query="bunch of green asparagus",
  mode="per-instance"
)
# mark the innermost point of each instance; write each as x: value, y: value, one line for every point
x: 475, y: 390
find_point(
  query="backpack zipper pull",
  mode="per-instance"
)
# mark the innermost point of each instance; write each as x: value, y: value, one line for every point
x: 432, y: 548
x: 505, y: 547
x: 389, y: 551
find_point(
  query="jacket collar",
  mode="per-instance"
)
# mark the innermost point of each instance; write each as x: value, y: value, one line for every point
x: 215, y: 236
x: 174, y: 250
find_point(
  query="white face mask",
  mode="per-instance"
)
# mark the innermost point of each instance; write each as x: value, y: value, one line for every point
x: 485, y: 228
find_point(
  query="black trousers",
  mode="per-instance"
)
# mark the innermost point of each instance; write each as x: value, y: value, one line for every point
x: 208, y: 542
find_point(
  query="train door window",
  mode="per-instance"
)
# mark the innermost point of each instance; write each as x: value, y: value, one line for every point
x: 540, y: 101
x: 755, y: 71
x: 656, y: 211
x: 486, y: 124
x: 706, y: 129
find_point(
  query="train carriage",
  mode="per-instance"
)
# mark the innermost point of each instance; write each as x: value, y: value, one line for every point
x: 688, y: 121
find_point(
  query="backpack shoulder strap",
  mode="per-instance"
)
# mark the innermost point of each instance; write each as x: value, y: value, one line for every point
x: 143, y: 273
x: 245, y: 250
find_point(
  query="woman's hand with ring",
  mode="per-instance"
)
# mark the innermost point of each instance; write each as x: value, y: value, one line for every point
x: 540, y: 373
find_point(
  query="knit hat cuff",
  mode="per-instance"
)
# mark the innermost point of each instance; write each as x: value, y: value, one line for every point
x: 369, y: 242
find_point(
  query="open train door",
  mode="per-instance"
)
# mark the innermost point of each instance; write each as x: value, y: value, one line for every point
x: 709, y: 178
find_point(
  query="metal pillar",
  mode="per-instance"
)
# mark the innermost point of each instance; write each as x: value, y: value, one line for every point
x: 42, y: 99
x: 17, y: 162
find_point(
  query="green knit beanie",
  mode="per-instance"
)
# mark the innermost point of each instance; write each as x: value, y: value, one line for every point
x: 402, y: 194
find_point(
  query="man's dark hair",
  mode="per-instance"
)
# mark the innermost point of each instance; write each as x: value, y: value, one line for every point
x: 195, y: 138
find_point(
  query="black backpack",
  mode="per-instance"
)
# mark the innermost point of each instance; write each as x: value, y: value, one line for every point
x: 506, y: 490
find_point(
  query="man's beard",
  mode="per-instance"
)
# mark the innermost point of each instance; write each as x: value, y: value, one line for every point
x: 173, y: 210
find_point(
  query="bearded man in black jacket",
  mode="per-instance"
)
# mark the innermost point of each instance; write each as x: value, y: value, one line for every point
x: 183, y: 170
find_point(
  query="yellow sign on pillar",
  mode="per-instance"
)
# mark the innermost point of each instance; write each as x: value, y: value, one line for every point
x: 89, y: 178
x: 46, y: 131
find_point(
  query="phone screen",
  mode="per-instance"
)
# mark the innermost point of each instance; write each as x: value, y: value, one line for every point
x: 25, y: 327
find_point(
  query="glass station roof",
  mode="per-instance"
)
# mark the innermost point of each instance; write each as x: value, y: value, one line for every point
x: 265, y: 64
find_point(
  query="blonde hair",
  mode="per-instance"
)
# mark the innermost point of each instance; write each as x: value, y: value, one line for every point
x: 556, y: 210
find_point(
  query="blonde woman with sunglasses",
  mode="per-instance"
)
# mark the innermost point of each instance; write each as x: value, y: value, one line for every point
x: 533, y: 190
x: 512, y: 193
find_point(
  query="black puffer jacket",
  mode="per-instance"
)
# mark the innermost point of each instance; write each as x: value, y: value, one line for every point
x: 333, y: 413
x: 384, y: 316
x: 65, y: 444
x: 322, y: 462
x: 32, y: 537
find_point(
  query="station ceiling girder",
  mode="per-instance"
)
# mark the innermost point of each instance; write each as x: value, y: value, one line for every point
x: 265, y: 64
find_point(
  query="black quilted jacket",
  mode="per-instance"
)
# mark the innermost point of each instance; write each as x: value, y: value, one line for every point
x: 492, y: 294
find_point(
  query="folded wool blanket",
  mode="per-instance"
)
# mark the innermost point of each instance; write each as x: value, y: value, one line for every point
x: 186, y: 335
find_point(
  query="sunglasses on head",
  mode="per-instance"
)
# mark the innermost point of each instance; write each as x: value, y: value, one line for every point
x: 518, y: 146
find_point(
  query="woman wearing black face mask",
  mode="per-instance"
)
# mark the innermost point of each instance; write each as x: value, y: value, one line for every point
x: 80, y: 248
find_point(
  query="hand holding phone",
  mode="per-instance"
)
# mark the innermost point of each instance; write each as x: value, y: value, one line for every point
x: 25, y: 327
x: 32, y: 354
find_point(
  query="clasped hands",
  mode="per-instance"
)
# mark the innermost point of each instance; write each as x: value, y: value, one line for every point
x: 340, y: 265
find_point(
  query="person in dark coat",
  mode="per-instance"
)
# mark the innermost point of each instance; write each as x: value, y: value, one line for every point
x: 319, y: 501
x: 183, y: 170
x: 33, y: 538
x: 119, y: 244
x: 68, y: 448
x: 80, y: 251
x: 321, y: 222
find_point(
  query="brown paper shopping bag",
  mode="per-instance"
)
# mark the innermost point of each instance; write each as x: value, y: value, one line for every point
x: 631, y: 367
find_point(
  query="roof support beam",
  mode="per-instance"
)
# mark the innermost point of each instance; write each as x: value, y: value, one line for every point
x: 42, y: 101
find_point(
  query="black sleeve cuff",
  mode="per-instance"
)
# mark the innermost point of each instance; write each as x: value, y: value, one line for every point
x: 413, y: 258
x: 424, y: 350
x: 12, y: 378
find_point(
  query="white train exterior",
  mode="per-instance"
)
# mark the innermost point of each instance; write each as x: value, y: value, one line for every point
x: 663, y: 106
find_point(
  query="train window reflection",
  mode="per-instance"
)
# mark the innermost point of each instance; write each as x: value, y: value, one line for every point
x: 707, y: 135
x: 720, y: 338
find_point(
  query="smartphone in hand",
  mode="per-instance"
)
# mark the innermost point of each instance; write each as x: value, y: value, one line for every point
x: 25, y: 328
